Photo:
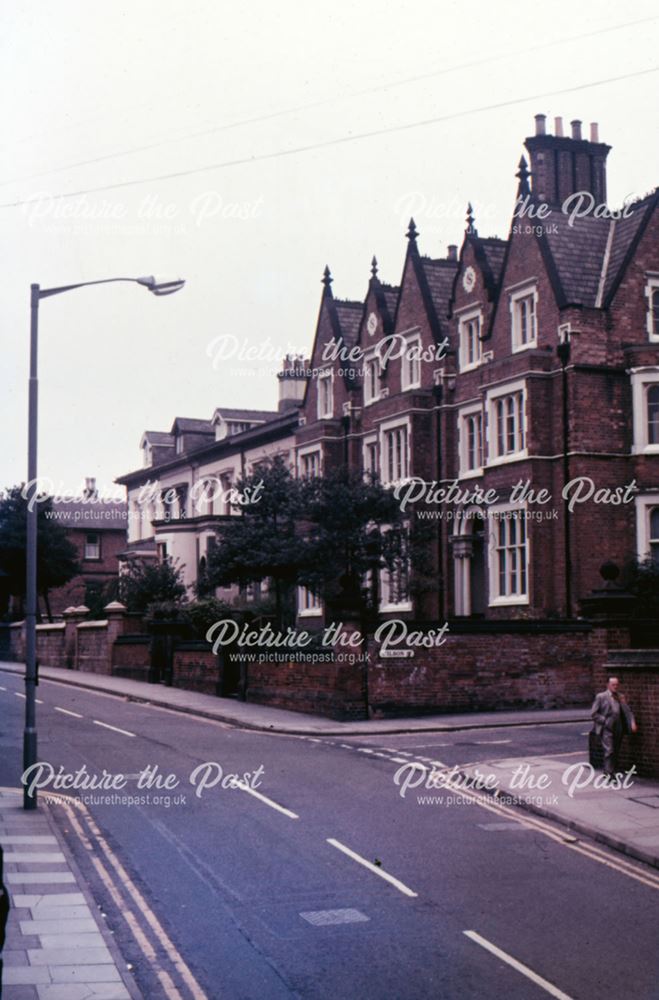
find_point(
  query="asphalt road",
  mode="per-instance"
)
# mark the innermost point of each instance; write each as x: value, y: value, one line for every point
x: 322, y: 881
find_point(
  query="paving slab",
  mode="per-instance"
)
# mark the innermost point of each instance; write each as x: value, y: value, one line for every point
x: 57, y: 947
x: 613, y: 816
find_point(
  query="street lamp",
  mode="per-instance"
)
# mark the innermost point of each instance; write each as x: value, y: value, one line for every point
x: 36, y: 294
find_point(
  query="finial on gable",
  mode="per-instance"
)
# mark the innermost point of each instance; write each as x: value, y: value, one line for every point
x: 471, y: 228
x: 327, y: 278
x: 412, y: 231
x: 523, y: 174
x: 374, y: 267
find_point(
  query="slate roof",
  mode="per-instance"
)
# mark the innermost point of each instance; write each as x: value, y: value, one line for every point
x: 625, y: 231
x: 159, y: 437
x: 391, y: 293
x: 191, y: 425
x: 349, y: 315
x: 494, y: 250
x: 259, y: 415
x: 92, y: 515
x: 577, y: 253
x: 440, y: 275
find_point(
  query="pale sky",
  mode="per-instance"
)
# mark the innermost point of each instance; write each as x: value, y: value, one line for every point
x: 97, y: 82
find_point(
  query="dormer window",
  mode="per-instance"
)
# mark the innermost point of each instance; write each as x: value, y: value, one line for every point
x: 147, y: 457
x: 524, y: 320
x: 179, y: 444
x: 652, y: 296
x: 325, y: 396
x: 470, y: 340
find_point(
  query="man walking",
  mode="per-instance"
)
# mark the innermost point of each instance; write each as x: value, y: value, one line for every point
x: 612, y: 718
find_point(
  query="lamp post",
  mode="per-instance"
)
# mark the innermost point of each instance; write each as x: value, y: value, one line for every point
x: 36, y: 294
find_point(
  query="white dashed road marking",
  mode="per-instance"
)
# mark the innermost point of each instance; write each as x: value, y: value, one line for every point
x: 372, y: 868
x: 115, y: 729
x: 66, y: 711
x: 518, y: 966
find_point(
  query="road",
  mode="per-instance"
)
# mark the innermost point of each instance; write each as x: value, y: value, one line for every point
x: 322, y: 881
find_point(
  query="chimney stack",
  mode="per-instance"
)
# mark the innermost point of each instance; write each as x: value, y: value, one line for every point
x: 452, y: 252
x: 90, y: 488
x: 292, y: 381
x: 562, y: 165
x: 540, y: 124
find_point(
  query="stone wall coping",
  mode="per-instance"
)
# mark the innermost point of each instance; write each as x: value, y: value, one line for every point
x: 16, y: 624
x: 99, y: 624
x: 51, y: 625
x: 633, y: 659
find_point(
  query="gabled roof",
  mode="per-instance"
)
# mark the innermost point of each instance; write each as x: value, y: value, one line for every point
x: 494, y: 252
x: 439, y: 275
x: 254, y: 416
x: 574, y: 255
x: 626, y: 235
x: 349, y: 315
x: 161, y: 438
x: 390, y: 294
x: 190, y: 425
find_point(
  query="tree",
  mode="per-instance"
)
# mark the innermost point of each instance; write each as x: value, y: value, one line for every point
x: 353, y: 527
x: 57, y: 561
x: 325, y: 533
x: 263, y: 541
x: 144, y: 583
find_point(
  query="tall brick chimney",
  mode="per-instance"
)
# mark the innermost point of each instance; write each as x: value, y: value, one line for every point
x: 562, y: 165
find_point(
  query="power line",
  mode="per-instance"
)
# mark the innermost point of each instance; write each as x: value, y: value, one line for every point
x: 325, y: 101
x: 341, y: 140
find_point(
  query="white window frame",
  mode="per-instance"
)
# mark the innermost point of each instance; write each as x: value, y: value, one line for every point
x: 493, y: 395
x: 642, y: 379
x: 385, y: 429
x: 370, y: 442
x: 410, y: 370
x: 96, y: 547
x: 464, y: 413
x: 307, y: 453
x: 644, y: 505
x: 494, y: 522
x: 385, y: 604
x: 326, y: 376
x: 466, y: 319
x: 372, y: 381
x: 527, y: 291
x: 309, y: 605
x: 651, y: 286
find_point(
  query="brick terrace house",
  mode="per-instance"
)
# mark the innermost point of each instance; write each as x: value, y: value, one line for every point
x: 533, y: 358
x: 97, y: 529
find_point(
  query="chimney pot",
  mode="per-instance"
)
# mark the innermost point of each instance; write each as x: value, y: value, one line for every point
x: 558, y: 127
x: 594, y: 132
x: 576, y: 128
x: 452, y: 252
x: 540, y: 124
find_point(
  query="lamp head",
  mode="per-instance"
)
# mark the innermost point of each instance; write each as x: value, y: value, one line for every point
x: 161, y: 287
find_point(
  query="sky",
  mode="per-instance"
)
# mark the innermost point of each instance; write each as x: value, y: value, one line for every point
x: 243, y: 148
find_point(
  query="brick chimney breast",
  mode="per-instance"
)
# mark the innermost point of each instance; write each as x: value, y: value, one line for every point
x: 562, y: 165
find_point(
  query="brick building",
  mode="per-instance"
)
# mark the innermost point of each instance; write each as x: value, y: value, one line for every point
x: 532, y: 360
x: 97, y: 529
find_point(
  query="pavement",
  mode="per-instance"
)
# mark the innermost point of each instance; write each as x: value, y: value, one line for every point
x: 264, y: 718
x: 569, y: 791
x: 57, y: 947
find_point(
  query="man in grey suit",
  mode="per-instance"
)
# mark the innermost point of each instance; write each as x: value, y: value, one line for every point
x: 612, y: 718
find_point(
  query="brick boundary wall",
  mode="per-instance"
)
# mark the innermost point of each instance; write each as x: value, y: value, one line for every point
x: 638, y: 672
